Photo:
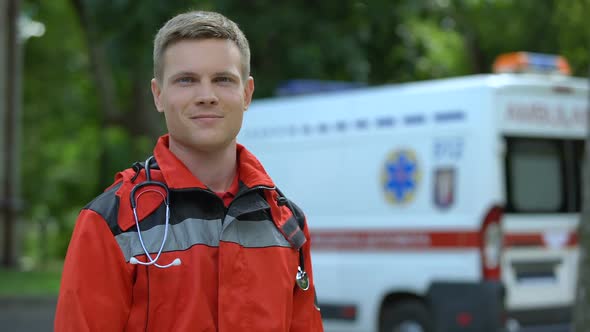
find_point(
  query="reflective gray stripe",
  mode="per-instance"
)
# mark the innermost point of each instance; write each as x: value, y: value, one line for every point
x: 181, y: 236
x: 190, y: 232
x: 248, y: 203
x: 254, y: 234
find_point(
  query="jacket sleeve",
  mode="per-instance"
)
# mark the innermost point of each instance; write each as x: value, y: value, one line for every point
x: 306, y: 313
x: 96, y: 285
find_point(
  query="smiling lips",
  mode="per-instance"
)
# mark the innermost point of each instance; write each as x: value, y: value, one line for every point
x: 206, y: 119
x: 206, y: 116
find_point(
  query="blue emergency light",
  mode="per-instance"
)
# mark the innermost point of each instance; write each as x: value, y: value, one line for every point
x: 527, y: 62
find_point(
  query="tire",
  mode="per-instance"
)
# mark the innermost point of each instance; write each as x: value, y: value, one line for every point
x: 406, y: 316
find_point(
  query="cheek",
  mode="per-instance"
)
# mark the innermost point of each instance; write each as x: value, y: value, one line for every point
x: 239, y: 118
x: 238, y: 123
x: 176, y: 100
x: 232, y: 96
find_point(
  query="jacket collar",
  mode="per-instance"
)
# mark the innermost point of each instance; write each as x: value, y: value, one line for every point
x: 177, y: 175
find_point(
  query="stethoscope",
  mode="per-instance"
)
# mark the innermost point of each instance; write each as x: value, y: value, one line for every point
x: 301, y: 278
x: 149, y: 182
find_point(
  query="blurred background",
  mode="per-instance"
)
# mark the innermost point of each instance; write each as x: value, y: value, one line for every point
x: 76, y: 103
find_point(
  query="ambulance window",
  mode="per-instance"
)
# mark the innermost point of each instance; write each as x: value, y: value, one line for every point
x: 535, y: 176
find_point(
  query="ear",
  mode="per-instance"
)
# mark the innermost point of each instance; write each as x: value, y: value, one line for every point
x: 156, y: 92
x: 248, y: 92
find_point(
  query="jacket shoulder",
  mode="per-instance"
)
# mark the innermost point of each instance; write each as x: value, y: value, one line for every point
x: 107, y: 204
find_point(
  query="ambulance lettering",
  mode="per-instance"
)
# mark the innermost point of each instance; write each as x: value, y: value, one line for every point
x: 448, y: 148
x: 546, y: 114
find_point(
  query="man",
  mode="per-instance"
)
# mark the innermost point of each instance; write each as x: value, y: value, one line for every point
x: 229, y: 253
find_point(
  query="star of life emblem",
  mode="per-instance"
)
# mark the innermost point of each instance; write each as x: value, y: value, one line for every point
x: 400, y: 176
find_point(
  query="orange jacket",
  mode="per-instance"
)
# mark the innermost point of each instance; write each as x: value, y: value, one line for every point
x: 238, y: 263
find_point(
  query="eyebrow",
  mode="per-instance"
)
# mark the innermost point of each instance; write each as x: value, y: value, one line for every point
x: 227, y: 73
x: 181, y: 74
x: 193, y: 74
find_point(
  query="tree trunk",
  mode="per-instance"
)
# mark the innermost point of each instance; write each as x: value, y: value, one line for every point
x: 582, y: 306
x: 141, y: 119
x: 465, y: 28
x: 108, y: 113
x: 11, y: 105
x: 99, y: 66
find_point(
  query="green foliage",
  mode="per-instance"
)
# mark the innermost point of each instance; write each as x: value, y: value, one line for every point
x: 573, y: 34
x: 17, y: 283
x: 71, y: 148
x: 60, y: 129
x: 442, y: 51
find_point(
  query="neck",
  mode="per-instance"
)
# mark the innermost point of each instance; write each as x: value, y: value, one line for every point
x: 216, y: 169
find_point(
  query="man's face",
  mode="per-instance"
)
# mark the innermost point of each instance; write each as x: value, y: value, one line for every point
x: 202, y: 93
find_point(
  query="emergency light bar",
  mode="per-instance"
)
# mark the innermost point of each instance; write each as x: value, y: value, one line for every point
x: 526, y: 62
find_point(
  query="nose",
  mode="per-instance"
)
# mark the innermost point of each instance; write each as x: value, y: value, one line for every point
x: 206, y: 96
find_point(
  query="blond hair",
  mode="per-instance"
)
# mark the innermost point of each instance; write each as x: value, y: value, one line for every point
x: 199, y: 25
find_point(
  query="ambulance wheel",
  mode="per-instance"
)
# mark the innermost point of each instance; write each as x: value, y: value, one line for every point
x: 405, y: 316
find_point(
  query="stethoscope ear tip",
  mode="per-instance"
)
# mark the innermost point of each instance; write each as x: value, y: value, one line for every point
x: 176, y: 262
x: 133, y: 260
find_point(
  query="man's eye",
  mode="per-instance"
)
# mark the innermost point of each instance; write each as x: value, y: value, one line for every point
x: 185, y: 80
x: 224, y: 79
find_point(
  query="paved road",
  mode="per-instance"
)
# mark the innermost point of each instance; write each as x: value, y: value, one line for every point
x: 27, y: 314
x: 552, y: 328
x: 36, y: 315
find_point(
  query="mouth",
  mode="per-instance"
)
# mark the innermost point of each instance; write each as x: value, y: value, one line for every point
x: 205, y: 116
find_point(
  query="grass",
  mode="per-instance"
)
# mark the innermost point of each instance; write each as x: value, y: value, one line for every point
x: 29, y: 283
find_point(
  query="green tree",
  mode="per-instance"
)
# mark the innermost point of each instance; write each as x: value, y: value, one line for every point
x: 88, y: 110
x: 59, y: 122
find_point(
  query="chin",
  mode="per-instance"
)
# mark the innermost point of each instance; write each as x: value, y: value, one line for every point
x: 204, y: 145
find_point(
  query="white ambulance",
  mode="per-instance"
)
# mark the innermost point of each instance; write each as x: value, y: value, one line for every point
x: 446, y: 205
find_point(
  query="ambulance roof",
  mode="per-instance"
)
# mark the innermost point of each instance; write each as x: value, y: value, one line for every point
x: 494, y: 81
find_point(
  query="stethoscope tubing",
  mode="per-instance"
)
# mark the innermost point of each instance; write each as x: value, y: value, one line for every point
x: 165, y: 196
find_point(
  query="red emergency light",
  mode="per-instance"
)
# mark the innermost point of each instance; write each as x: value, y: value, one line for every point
x: 526, y: 62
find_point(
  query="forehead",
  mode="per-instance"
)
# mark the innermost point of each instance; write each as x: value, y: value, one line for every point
x: 202, y: 56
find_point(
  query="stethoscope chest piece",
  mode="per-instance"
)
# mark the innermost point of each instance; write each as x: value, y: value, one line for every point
x: 302, y: 279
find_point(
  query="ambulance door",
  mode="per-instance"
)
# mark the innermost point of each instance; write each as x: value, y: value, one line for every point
x: 543, y: 200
